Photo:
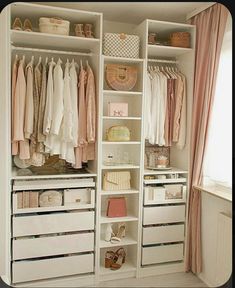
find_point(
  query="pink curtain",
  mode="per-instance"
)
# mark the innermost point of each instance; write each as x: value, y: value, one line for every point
x: 210, y: 27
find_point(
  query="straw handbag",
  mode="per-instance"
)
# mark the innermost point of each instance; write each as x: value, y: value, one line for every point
x: 117, y: 180
x: 121, y: 77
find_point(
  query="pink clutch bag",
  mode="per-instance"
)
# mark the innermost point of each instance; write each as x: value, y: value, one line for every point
x: 117, y: 109
x: 116, y: 207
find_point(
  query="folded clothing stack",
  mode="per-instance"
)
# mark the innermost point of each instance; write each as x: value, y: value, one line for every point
x: 27, y: 199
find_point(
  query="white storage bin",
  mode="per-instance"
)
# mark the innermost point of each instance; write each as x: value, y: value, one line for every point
x: 23, y: 271
x: 121, y: 45
x: 164, y: 214
x: 54, y: 26
x: 52, y: 245
x: 161, y: 254
x: 163, y: 234
x: 80, y: 198
x: 164, y: 194
x: 52, y: 223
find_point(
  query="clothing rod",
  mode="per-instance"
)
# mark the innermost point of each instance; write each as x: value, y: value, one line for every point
x: 51, y: 51
x: 162, y: 61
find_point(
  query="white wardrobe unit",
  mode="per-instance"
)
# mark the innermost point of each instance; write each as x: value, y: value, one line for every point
x: 69, y: 240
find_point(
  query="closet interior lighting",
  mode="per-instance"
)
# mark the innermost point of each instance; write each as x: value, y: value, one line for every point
x: 50, y: 51
x: 163, y: 61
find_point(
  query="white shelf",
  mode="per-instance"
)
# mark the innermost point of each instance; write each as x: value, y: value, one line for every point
x: 121, y: 118
x: 121, y: 93
x: 47, y: 41
x: 158, y: 172
x: 120, y: 167
x: 55, y: 176
x: 105, y: 219
x: 131, y: 191
x: 52, y: 209
x: 165, y: 181
x: 166, y: 51
x: 121, y: 143
x: 124, y: 242
x: 38, y: 184
x: 122, y: 59
x: 126, y: 267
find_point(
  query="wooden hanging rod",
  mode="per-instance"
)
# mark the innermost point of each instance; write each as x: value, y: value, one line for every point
x: 50, y: 51
x: 163, y: 61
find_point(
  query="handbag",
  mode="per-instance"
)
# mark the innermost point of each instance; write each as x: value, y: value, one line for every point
x: 50, y: 198
x: 116, y: 180
x: 121, y: 77
x: 116, y: 207
x: 118, y: 133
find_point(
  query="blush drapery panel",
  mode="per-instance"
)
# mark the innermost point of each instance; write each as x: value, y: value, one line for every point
x: 210, y: 27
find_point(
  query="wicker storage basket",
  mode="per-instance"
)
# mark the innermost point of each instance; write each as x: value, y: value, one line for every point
x: 180, y: 39
x: 54, y: 26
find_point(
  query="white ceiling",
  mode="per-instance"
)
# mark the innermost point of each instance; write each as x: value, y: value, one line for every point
x: 136, y: 12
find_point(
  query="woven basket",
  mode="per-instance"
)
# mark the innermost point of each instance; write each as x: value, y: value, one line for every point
x: 121, y: 77
x: 180, y: 39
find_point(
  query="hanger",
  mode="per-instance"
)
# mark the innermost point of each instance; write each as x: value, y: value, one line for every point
x: 46, y: 60
x: 87, y: 64
x: 81, y: 63
x: 23, y: 58
x: 16, y: 57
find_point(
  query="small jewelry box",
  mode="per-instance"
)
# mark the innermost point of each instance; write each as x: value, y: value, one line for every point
x: 117, y: 109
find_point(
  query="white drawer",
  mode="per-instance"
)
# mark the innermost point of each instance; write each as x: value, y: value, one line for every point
x: 53, y: 245
x: 23, y: 271
x: 163, y: 234
x: 164, y: 214
x: 53, y: 223
x: 161, y: 254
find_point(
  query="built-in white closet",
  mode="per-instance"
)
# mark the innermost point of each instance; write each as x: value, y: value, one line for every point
x: 46, y: 243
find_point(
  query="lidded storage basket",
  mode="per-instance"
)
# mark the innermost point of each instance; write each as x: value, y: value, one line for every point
x: 54, y: 26
x: 121, y: 45
x: 180, y: 39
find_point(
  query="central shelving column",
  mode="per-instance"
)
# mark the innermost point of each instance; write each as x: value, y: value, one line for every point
x: 133, y: 121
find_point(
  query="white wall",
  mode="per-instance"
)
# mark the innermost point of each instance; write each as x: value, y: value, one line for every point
x: 211, y: 207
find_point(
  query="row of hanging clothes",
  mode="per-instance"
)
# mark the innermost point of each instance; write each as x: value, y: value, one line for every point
x: 165, y: 106
x: 53, y: 111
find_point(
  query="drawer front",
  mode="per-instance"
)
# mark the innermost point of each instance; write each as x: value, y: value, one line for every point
x: 161, y: 254
x: 163, y: 234
x: 53, y: 245
x: 53, y: 223
x: 23, y: 271
x: 164, y: 214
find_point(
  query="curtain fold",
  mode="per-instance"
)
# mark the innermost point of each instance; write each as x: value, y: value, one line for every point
x: 210, y: 27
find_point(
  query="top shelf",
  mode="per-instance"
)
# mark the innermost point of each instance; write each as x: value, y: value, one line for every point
x: 166, y: 51
x: 157, y: 172
x: 122, y: 59
x: 53, y: 41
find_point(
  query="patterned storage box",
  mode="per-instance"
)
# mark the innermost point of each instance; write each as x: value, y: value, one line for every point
x: 121, y: 45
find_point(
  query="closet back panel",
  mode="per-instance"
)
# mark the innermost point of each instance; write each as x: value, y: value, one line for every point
x: 54, y: 223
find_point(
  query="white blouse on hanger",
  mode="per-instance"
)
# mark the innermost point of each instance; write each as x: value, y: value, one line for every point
x: 67, y: 147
